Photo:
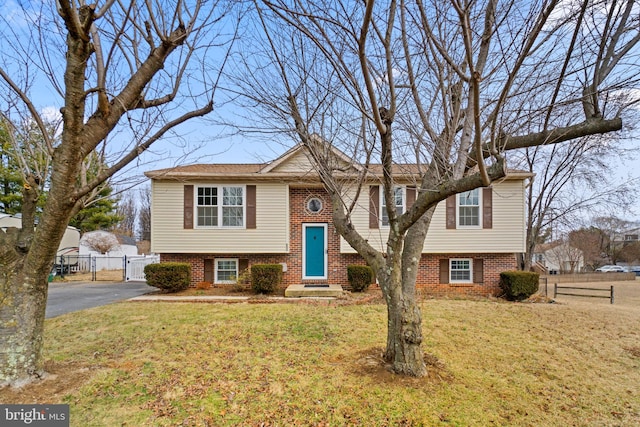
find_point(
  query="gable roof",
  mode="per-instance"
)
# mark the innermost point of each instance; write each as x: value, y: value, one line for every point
x: 295, y: 164
x: 542, y: 248
x: 121, y: 238
x: 300, y: 156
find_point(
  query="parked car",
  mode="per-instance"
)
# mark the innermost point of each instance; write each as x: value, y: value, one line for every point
x: 610, y: 269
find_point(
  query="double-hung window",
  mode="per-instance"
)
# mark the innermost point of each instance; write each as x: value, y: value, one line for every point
x: 398, y: 197
x: 232, y: 207
x: 220, y: 206
x: 226, y: 270
x: 460, y: 271
x: 469, y: 208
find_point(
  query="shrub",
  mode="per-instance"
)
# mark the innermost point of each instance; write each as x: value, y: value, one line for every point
x: 168, y: 276
x: 518, y: 285
x: 265, y: 278
x: 203, y: 285
x: 360, y: 277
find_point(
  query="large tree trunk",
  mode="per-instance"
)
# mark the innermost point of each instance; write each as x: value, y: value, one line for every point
x: 404, y: 320
x: 23, y: 299
x: 22, y: 309
x: 91, y: 111
x: 404, y: 334
x: 26, y: 258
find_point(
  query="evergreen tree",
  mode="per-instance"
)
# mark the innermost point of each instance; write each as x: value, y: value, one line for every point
x: 10, y: 178
x: 101, y: 214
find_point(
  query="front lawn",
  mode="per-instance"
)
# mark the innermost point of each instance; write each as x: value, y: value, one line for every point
x: 490, y: 363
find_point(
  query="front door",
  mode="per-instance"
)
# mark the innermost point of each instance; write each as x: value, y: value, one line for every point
x: 314, y: 251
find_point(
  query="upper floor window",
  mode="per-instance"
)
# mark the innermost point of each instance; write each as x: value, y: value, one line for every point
x: 469, y: 208
x: 314, y: 205
x: 399, y: 199
x: 220, y: 206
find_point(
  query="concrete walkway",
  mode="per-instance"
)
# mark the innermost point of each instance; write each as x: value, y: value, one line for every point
x: 226, y: 298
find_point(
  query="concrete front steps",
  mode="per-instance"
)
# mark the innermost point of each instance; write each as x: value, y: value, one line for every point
x: 313, y: 290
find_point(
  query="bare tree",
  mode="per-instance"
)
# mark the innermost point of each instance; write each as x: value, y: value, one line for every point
x: 630, y: 253
x: 127, y: 209
x: 100, y: 241
x: 613, y: 229
x: 144, y: 214
x: 568, y: 258
x: 133, y: 69
x: 448, y: 86
x: 592, y: 242
x: 571, y: 181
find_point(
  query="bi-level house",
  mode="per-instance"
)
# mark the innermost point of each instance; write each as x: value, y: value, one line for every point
x: 223, y: 218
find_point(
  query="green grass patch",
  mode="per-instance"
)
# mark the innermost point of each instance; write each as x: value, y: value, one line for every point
x: 166, y: 364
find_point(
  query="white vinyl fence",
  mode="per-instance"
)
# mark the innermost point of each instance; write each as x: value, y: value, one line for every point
x: 134, y: 269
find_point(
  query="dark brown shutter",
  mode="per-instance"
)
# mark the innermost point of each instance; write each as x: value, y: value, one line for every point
x: 487, y: 208
x: 208, y: 270
x: 451, y: 212
x: 411, y: 196
x: 374, y: 206
x: 243, y: 264
x: 478, y: 271
x: 188, y: 206
x: 251, y: 206
x: 444, y: 271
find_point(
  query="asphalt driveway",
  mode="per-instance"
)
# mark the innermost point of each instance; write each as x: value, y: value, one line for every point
x: 73, y: 296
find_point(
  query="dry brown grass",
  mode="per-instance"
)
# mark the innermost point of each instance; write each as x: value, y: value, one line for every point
x: 490, y: 363
x: 102, y: 275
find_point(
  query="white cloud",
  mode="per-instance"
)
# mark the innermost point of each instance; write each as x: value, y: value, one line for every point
x: 51, y: 114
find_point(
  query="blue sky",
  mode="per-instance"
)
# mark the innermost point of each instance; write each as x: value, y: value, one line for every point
x: 202, y: 141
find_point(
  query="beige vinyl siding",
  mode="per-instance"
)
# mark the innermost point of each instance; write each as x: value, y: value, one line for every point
x: 271, y: 234
x: 301, y: 163
x: 507, y: 234
x: 297, y: 163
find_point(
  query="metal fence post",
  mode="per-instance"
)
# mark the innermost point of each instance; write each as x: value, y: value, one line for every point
x: 62, y: 266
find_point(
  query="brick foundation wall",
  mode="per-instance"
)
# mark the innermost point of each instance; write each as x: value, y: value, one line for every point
x: 428, y: 275
x: 493, y: 265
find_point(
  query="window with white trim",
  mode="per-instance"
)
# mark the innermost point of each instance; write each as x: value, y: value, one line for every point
x: 399, y: 198
x: 226, y: 270
x: 469, y: 208
x: 460, y: 270
x: 220, y: 206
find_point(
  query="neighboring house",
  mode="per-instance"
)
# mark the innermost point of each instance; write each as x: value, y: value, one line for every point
x: 103, y: 250
x: 108, y: 244
x: 223, y: 218
x: 630, y: 236
x: 68, y: 245
x: 558, y: 258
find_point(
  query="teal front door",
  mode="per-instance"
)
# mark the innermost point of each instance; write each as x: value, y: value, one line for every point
x: 314, y: 251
